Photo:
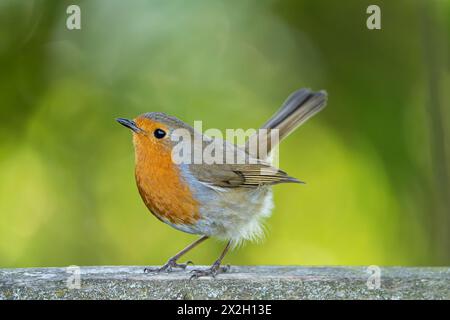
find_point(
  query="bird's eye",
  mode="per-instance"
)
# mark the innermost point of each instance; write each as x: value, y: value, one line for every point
x: 159, y: 133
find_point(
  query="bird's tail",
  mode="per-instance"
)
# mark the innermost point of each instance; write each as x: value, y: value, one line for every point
x: 296, y: 110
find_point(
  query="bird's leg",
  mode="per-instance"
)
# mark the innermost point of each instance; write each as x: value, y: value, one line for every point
x: 172, y: 262
x: 216, y: 267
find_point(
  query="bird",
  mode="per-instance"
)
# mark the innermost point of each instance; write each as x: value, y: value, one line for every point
x: 226, y: 200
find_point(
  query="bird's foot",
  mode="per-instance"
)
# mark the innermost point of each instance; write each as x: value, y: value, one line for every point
x: 212, y: 271
x: 169, y: 266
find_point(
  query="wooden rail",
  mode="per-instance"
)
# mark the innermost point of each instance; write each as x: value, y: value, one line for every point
x: 241, y: 282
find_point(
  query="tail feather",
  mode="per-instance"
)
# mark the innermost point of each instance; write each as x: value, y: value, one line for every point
x: 296, y: 110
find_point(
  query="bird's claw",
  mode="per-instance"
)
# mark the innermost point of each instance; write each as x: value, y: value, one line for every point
x: 169, y: 266
x: 212, y: 271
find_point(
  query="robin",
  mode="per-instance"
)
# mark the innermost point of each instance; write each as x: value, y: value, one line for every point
x: 227, y: 201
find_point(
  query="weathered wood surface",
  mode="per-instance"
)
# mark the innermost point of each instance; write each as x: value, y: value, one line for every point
x: 262, y: 282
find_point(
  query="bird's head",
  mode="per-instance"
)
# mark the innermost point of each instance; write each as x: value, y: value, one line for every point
x: 155, y: 133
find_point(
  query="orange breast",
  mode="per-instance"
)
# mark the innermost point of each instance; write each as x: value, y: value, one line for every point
x: 163, y: 190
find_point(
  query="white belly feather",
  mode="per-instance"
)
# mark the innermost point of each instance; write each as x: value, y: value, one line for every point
x: 235, y: 214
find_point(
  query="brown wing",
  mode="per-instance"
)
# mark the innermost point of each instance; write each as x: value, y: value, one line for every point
x: 253, y: 173
x: 240, y: 175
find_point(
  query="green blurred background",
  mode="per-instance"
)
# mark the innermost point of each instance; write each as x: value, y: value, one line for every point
x: 376, y: 161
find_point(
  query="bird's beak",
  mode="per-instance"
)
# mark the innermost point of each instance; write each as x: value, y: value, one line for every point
x: 130, y: 124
